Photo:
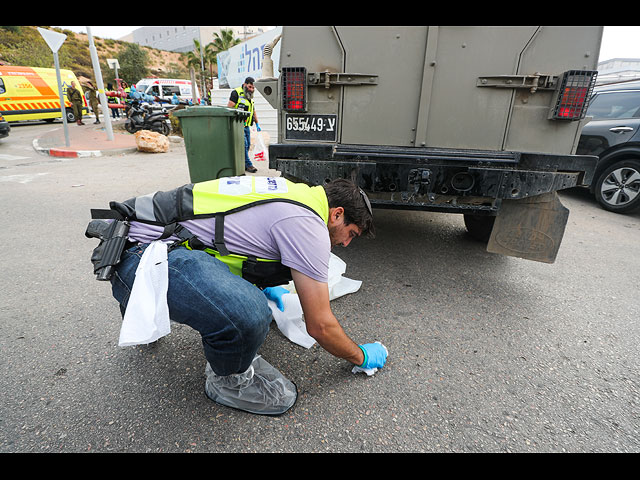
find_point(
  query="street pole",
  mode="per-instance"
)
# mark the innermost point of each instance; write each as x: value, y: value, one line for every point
x: 62, y: 109
x: 55, y: 40
x: 204, y: 82
x: 194, y: 85
x: 203, y: 85
x: 98, y: 75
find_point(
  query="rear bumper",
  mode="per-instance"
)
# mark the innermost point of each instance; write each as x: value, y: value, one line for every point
x: 457, y: 181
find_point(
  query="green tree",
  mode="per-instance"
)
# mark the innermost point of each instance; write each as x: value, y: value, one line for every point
x: 193, y: 60
x: 193, y: 57
x: 221, y: 42
x: 133, y: 64
x: 175, y: 70
x: 15, y: 28
x: 33, y: 54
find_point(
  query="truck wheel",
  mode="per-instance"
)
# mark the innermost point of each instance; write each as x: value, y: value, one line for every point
x: 479, y: 226
x: 618, y: 188
x: 70, y: 116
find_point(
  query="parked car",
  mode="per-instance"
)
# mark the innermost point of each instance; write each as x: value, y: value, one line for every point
x: 614, y: 136
x: 4, y: 127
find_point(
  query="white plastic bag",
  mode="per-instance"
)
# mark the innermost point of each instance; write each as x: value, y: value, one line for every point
x: 260, y: 151
x: 146, y: 318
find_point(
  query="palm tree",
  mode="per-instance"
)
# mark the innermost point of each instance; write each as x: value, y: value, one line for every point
x: 193, y: 57
x: 193, y: 60
x: 222, y: 41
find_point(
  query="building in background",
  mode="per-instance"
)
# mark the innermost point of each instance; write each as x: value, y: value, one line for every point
x: 617, y: 70
x: 180, y: 38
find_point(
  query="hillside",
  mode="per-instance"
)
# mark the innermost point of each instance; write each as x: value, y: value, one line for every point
x: 25, y: 46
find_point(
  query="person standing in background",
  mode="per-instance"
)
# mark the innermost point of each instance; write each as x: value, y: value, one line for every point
x: 75, y: 97
x: 242, y: 99
x: 93, y: 100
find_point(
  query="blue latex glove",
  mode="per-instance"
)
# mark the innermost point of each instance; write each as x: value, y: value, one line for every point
x: 275, y: 294
x: 258, y: 128
x: 375, y: 355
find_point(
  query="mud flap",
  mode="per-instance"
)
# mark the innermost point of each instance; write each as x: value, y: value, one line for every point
x: 530, y: 228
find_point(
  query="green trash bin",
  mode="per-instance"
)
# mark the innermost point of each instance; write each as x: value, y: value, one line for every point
x: 214, y: 141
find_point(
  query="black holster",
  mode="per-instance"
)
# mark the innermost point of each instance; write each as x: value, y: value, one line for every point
x: 113, y: 240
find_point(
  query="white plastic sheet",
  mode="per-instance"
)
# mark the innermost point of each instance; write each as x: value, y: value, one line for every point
x: 147, y: 315
x: 291, y: 321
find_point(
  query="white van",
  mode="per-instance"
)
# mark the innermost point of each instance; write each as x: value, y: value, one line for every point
x: 164, y: 88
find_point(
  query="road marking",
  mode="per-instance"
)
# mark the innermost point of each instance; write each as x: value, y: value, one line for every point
x: 26, y: 178
x: 11, y: 157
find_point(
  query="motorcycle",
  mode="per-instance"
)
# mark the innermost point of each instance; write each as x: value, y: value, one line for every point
x: 143, y: 117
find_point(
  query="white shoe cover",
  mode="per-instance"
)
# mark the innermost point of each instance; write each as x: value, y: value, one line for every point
x: 262, y: 389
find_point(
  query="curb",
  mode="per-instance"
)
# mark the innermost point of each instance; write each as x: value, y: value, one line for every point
x: 67, y: 153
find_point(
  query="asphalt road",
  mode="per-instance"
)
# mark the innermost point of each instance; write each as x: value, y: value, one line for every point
x: 486, y: 353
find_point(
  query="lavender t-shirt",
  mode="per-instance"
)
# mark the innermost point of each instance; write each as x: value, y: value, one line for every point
x: 293, y: 234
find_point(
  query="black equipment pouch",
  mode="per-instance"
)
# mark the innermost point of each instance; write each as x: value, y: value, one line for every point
x: 113, y: 240
x: 265, y: 274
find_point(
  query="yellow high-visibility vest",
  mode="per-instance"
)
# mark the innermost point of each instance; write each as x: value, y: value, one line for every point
x: 247, y: 105
x: 218, y: 198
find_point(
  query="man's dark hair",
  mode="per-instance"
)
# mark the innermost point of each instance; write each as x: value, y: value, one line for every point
x: 249, y: 80
x: 357, y: 209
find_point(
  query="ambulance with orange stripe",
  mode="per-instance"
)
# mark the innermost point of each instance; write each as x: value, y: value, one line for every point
x: 30, y: 93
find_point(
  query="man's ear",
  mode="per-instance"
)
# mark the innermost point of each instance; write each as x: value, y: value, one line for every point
x: 335, y: 213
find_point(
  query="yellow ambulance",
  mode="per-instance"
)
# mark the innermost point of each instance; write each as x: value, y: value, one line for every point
x: 30, y: 93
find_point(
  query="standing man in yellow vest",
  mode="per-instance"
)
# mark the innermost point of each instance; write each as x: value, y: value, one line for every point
x: 242, y: 98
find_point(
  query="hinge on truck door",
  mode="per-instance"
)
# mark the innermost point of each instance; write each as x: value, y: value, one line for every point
x: 336, y: 78
x: 537, y: 81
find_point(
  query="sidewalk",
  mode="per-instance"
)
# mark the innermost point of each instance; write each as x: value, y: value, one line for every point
x: 88, y: 140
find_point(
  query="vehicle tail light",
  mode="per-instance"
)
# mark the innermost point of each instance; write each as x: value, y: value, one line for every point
x: 573, y: 94
x: 294, y: 89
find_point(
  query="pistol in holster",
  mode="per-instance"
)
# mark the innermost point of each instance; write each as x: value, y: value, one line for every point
x: 113, y: 240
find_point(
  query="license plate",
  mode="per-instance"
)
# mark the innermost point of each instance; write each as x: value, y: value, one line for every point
x: 311, y: 127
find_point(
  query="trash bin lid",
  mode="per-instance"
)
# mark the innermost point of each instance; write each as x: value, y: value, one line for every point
x: 209, y: 111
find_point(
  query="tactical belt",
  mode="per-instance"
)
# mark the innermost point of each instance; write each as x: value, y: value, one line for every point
x: 260, y: 273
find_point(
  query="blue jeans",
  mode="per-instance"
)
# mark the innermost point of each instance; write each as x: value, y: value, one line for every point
x: 231, y: 314
x: 247, y: 144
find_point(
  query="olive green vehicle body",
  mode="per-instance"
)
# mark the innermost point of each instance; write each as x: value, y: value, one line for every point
x: 479, y: 121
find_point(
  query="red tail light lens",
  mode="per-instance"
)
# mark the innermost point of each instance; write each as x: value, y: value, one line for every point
x: 573, y: 94
x: 294, y: 89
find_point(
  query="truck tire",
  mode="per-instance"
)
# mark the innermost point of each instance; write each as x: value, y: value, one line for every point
x: 618, y: 188
x: 70, y: 115
x: 479, y: 226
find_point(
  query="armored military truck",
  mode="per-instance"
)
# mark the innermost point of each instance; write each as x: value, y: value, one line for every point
x: 479, y: 121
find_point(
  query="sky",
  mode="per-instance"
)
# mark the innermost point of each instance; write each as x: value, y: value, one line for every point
x: 620, y: 42
x: 103, y: 31
x: 617, y: 41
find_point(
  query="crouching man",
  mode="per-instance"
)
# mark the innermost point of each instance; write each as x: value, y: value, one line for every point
x: 222, y: 268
